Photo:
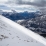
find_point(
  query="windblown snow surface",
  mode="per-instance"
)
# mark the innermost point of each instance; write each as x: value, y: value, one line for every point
x: 13, y: 34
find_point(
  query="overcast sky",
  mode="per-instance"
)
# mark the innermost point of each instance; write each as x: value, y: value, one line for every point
x: 24, y: 5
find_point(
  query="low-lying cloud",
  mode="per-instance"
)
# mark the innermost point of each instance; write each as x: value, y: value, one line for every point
x: 37, y: 4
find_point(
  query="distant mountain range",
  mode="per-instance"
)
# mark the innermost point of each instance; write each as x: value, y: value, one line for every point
x: 13, y: 15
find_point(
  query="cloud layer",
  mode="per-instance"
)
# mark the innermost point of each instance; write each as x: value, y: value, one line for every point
x: 28, y: 5
x: 40, y: 3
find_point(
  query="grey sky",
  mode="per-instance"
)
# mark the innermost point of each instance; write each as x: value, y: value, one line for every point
x: 27, y: 4
x: 39, y: 3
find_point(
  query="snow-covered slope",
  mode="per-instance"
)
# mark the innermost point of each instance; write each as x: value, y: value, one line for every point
x: 13, y: 34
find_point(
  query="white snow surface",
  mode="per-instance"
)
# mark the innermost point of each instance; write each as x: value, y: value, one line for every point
x: 13, y: 34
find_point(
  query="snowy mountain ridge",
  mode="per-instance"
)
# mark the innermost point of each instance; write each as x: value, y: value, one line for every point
x: 13, y: 34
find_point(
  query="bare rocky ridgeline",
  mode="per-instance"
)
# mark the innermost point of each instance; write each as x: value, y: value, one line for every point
x: 37, y: 24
